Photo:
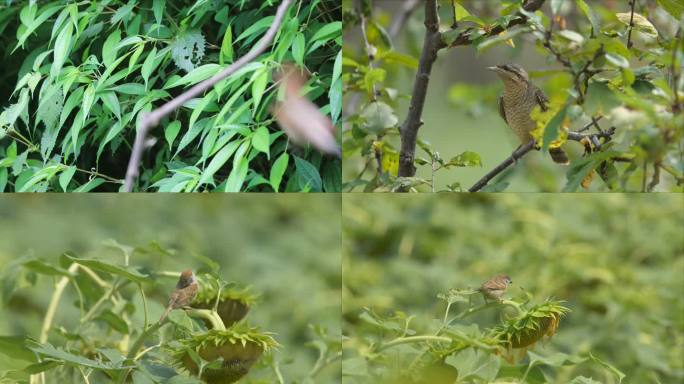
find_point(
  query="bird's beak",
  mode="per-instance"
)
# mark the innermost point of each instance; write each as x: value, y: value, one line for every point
x: 495, y: 69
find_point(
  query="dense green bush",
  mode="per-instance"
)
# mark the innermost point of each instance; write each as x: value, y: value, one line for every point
x: 78, y: 76
x: 411, y: 264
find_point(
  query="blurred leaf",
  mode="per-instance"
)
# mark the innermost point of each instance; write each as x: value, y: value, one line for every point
x: 472, y: 363
x: 641, y: 23
x: 103, y: 266
x: 48, y: 351
x: 15, y: 347
x: 378, y: 116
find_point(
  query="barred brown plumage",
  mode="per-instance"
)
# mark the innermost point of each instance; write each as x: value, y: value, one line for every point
x: 519, y: 98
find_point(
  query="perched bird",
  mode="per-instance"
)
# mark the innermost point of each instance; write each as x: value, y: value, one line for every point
x: 519, y: 98
x: 301, y: 119
x: 495, y: 287
x: 185, y: 292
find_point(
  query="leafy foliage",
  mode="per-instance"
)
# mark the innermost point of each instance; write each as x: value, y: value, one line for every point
x: 84, y: 73
x: 593, y: 294
x: 593, y: 59
x: 111, y: 291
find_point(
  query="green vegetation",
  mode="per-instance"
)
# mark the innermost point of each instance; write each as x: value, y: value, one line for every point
x: 77, y: 77
x: 596, y: 294
x: 585, y: 56
x: 80, y: 307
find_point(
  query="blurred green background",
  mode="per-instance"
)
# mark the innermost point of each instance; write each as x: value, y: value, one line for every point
x: 618, y: 261
x: 286, y: 247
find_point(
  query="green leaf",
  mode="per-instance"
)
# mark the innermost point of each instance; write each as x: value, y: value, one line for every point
x: 298, y: 48
x: 158, y: 9
x: 260, y: 140
x: 475, y: 364
x: 110, y: 101
x: 641, y: 23
x: 378, y: 116
x: 307, y: 175
x: 278, y: 170
x: 15, y: 347
x: 119, y: 270
x: 673, y: 7
x: 257, y: 27
x: 218, y: 161
x: 227, y: 47
x: 44, y: 268
x: 196, y: 75
x: 617, y: 60
x: 131, y: 89
x: 465, y: 159
x: 553, y: 127
x: 66, y: 176
x: 88, y: 100
x: 47, y: 350
x: 171, y: 132
x: 150, y: 64
x: 591, y: 15
x: 109, y: 49
x: 61, y: 51
x: 134, y: 58
x: 328, y: 31
x: 260, y: 79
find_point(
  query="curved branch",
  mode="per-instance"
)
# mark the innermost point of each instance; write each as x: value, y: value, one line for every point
x: 152, y: 119
x: 527, y: 147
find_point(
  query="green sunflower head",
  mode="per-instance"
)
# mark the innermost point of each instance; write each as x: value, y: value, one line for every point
x: 223, y: 357
x: 531, y: 325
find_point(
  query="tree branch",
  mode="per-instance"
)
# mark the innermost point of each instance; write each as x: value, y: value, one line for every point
x: 432, y: 44
x: 409, y: 129
x: 527, y: 147
x: 152, y: 119
x: 631, y: 24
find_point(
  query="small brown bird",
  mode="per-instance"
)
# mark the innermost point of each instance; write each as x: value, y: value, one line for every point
x: 301, y: 119
x: 185, y: 292
x: 519, y: 98
x: 495, y: 287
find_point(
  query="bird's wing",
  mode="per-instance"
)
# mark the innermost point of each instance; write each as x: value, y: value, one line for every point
x: 502, y: 111
x: 541, y: 99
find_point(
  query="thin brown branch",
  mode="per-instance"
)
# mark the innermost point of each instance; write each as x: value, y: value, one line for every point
x: 524, y: 149
x: 513, y: 158
x: 631, y: 23
x: 152, y: 119
x: 655, y: 179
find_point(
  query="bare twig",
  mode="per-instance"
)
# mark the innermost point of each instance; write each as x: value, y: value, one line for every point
x: 513, y: 158
x: 631, y: 23
x: 152, y: 119
x: 655, y: 179
x: 524, y: 149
